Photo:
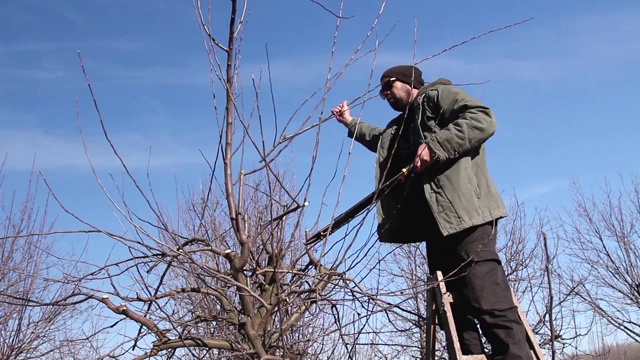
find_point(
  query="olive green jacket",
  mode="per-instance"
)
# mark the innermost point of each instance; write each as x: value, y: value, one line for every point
x: 458, y: 186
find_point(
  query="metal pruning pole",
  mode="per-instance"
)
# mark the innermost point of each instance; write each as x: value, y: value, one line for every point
x: 359, y: 207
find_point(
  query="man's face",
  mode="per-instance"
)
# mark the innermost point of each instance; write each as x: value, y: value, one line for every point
x: 397, y: 93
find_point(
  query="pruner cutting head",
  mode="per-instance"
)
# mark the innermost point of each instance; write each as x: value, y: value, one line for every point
x: 405, y: 172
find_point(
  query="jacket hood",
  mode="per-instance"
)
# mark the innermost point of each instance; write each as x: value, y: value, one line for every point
x: 441, y: 81
x: 431, y: 85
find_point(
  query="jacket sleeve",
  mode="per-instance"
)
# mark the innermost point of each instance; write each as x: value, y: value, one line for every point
x: 473, y: 123
x: 366, y: 134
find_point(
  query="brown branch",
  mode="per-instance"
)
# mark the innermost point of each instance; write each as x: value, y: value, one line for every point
x: 241, y: 21
x: 286, y: 138
x: 234, y: 214
x: 323, y: 278
x: 237, y: 263
x: 208, y: 29
x: 547, y: 266
x: 208, y: 343
x: 472, y: 83
x: 124, y: 310
x: 331, y: 12
x: 326, y: 87
x: 116, y: 153
x: 474, y: 38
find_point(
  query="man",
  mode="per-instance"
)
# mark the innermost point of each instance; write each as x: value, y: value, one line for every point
x: 451, y: 203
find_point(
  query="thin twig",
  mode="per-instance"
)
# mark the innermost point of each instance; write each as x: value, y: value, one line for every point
x: 474, y: 38
x: 331, y: 12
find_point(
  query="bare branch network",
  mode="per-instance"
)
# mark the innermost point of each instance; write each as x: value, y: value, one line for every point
x: 226, y: 272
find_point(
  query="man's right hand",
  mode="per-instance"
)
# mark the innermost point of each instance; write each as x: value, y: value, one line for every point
x: 342, y: 113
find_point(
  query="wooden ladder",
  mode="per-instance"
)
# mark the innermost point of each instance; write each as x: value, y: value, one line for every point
x: 439, y: 302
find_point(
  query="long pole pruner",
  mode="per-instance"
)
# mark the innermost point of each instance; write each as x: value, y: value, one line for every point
x: 359, y: 207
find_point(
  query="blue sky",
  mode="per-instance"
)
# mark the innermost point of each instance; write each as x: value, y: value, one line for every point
x: 562, y: 87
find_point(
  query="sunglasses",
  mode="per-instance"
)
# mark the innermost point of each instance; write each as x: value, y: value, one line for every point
x: 386, y: 86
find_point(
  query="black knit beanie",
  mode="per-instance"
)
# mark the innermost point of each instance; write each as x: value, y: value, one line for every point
x: 405, y: 73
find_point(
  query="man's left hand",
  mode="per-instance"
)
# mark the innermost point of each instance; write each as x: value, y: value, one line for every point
x: 424, y: 158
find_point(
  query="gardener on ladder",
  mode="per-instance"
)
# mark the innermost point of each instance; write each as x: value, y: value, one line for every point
x: 452, y: 203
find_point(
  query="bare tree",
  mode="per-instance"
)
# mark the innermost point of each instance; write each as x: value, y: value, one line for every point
x: 534, y: 263
x: 602, y: 233
x: 408, y: 267
x: 227, y: 273
x: 29, y: 275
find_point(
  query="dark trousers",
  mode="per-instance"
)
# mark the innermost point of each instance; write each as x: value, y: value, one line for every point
x: 476, y: 279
